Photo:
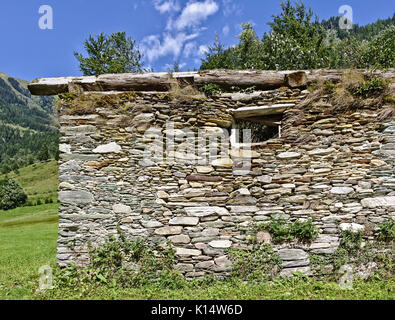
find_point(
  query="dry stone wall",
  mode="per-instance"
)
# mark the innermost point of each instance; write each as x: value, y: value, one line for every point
x: 336, y: 169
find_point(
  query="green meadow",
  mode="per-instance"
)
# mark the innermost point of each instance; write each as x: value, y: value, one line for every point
x: 27, y: 242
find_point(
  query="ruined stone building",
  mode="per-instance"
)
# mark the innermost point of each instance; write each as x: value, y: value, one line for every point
x: 158, y: 159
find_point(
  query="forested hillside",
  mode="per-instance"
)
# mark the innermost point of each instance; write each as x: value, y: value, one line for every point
x: 367, y: 32
x: 27, y: 127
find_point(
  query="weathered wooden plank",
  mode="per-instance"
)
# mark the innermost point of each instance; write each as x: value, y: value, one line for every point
x: 163, y: 81
x: 226, y: 79
x: 335, y: 76
x: 109, y: 82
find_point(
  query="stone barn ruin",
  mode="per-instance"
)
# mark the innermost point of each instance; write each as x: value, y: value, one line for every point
x: 153, y: 156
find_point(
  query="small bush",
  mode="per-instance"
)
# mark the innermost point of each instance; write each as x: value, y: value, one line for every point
x: 351, y: 241
x: 372, y: 87
x: 260, y: 263
x: 329, y: 87
x: 304, y: 231
x: 280, y: 231
x: 387, y: 231
x: 12, y: 194
x: 210, y: 89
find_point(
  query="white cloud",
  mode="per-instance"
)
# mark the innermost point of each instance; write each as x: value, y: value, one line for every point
x: 164, y: 6
x: 203, y: 49
x: 184, y: 24
x: 195, y: 13
x: 225, y: 30
x: 154, y: 48
x: 231, y: 8
x: 190, y: 48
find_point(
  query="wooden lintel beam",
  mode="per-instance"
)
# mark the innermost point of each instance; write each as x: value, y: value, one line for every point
x: 163, y: 81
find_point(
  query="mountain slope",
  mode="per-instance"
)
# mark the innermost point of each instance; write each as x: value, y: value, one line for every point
x: 19, y: 107
x: 27, y: 124
x: 366, y: 32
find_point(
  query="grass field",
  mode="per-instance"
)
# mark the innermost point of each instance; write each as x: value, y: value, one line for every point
x: 27, y: 242
x: 291, y: 289
x: 40, y: 180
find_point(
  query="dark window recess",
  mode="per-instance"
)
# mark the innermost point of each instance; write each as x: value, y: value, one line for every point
x: 260, y: 132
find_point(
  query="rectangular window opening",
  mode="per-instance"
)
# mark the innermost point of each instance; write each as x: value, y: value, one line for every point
x: 261, y: 130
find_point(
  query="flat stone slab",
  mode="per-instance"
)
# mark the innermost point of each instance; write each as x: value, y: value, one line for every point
x: 206, y: 211
x: 65, y: 148
x: 247, y: 112
x: 243, y: 209
x: 296, y: 263
x: 378, y: 202
x: 184, y: 221
x: 265, y: 179
x: 120, y: 208
x: 223, y: 163
x: 204, y: 169
x: 151, y: 224
x: 108, y: 148
x: 167, y: 231
x: 222, y: 244
x: 75, y: 197
x: 341, y: 190
x: 353, y: 227
x: 182, y: 238
x: 289, y: 155
x: 293, y: 254
x: 188, y: 252
x: 321, y: 152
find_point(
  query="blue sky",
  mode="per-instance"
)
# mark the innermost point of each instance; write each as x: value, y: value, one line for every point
x: 167, y: 30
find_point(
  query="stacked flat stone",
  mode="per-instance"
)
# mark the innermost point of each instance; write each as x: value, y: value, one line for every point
x: 343, y: 178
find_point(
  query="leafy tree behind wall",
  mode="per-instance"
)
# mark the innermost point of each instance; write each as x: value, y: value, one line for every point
x: 381, y: 50
x: 298, y: 40
x: 218, y: 57
x: 115, y: 53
